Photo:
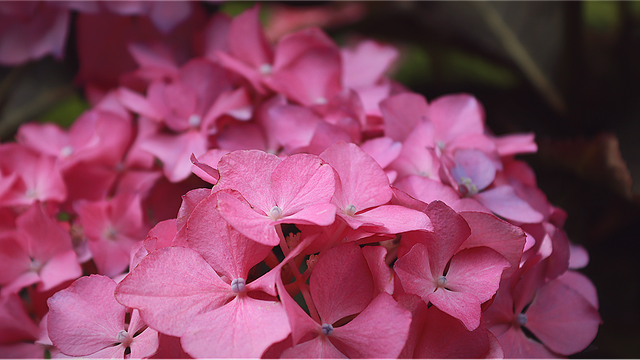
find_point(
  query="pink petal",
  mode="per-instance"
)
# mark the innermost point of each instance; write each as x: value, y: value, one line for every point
x: 392, y: 219
x: 239, y: 214
x: 379, y: 331
x: 247, y: 40
x: 318, y: 348
x: 456, y: 115
x: 476, y: 271
x: 249, y: 172
x: 402, y: 113
x: 243, y: 328
x: 366, y: 64
x: 450, y: 231
x: 504, y: 202
x: 85, y: 318
x: 414, y: 271
x: 175, y: 151
x: 444, y: 337
x: 170, y: 287
x: 381, y: 272
x: 461, y: 305
x: 516, y: 144
x: 487, y: 230
x: 341, y: 283
x: 562, y: 319
x: 300, y: 181
x: 224, y: 248
x: 383, y: 150
x: 363, y: 182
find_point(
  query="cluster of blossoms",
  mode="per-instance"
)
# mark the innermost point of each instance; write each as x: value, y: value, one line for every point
x: 348, y: 216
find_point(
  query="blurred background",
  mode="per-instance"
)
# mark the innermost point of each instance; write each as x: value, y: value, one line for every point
x: 567, y: 71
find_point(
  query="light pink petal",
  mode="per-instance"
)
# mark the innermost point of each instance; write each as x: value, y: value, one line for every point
x: 383, y: 150
x: 60, y: 268
x: 145, y: 344
x: 46, y: 238
x: 456, y: 115
x: 292, y: 126
x: 474, y: 165
x: 138, y: 103
x: 247, y: 41
x: 379, y: 331
x: 170, y: 287
x: 153, y: 57
x: 504, y: 202
x: 299, y: 321
x: 363, y: 182
x: 366, y: 64
x: 462, y: 306
x: 476, y: 271
x: 427, y: 190
x: 224, y: 248
x: 175, y: 152
x: 85, y: 317
x: 15, y: 323
x: 232, y: 102
x: 300, y: 181
x: 206, y: 165
x: 517, y: 345
x: 14, y: 257
x: 393, y: 219
x: 402, y: 113
x: 249, y: 172
x: 562, y: 319
x: 515, y: 144
x: 413, y: 270
x: 341, y: 283
x: 243, y: 328
x: 578, y: 257
x: 319, y: 214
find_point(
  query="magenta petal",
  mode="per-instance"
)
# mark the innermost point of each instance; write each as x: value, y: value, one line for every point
x: 247, y: 40
x: 85, y: 317
x: 462, y: 306
x: 562, y: 319
x: 476, y: 271
x: 228, y: 251
x: 170, y: 287
x: 379, y: 331
x: 341, y: 283
x: 243, y: 328
x: 504, y: 202
x: 444, y: 337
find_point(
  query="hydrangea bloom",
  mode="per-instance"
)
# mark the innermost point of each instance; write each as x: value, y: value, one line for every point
x: 333, y: 212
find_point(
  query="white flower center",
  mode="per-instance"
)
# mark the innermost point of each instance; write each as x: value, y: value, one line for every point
x: 238, y: 285
x: 266, y: 69
x: 326, y: 329
x: 467, y: 187
x: 275, y: 213
x: 442, y: 281
x: 350, y: 210
x: 66, y: 151
x: 194, y: 120
x: 321, y: 101
x: 521, y: 319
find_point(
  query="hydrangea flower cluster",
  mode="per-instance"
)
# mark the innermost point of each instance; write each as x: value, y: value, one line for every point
x: 346, y: 215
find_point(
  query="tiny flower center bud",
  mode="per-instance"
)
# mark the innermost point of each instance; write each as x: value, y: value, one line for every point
x: 350, y: 210
x: 442, y: 281
x: 326, y: 329
x: 238, y: 285
x: 266, y: 69
x: 440, y: 144
x: 124, y: 338
x: 66, y: 151
x: 521, y: 319
x: 467, y: 187
x: 321, y: 101
x: 275, y: 213
x: 194, y: 120
x: 110, y: 233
